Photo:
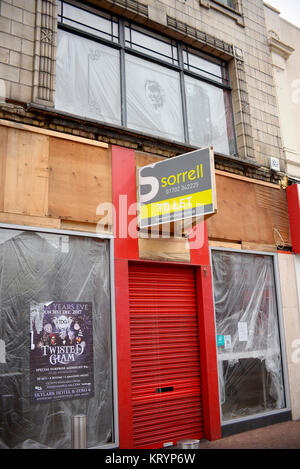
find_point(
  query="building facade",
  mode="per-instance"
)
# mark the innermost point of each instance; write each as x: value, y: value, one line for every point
x: 152, y: 336
x: 283, y: 40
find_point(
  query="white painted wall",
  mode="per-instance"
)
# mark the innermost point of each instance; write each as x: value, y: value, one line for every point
x: 297, y: 268
x: 291, y: 318
x: 286, y: 68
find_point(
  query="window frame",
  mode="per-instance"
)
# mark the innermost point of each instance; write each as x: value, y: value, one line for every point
x: 110, y: 239
x: 282, y: 341
x: 120, y: 45
x: 235, y: 11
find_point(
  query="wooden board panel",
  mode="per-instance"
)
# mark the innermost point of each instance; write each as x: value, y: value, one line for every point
x: 80, y: 180
x: 143, y: 159
x: 249, y: 213
x: 27, y: 220
x: 259, y: 247
x: 52, y: 133
x: 164, y: 249
x: 26, y: 173
x: 224, y: 244
x: 3, y: 153
x: 87, y: 227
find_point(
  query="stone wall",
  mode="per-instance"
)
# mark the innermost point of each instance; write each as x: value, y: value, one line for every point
x: 27, y: 57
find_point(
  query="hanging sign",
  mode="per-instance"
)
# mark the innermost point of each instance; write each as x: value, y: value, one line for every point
x: 177, y: 188
x: 61, y: 351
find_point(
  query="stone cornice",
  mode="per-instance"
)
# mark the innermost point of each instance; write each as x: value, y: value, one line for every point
x: 279, y: 47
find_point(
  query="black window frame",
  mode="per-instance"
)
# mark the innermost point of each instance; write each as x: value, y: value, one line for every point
x: 180, y: 67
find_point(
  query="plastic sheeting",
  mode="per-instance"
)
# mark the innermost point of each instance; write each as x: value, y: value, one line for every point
x: 153, y: 99
x: 88, y: 85
x: 38, y: 268
x: 209, y: 116
x: 88, y: 79
x: 248, y: 342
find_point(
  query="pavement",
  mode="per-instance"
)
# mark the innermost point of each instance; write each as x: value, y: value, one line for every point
x: 285, y: 435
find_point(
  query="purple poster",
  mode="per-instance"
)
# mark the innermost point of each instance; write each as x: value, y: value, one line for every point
x: 61, y: 351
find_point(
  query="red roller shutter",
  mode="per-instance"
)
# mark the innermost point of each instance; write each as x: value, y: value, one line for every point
x: 165, y: 355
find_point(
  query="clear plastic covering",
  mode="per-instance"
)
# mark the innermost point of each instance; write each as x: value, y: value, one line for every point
x: 87, y: 78
x: 209, y: 116
x: 88, y: 84
x: 39, y: 269
x: 153, y: 99
x: 248, y: 342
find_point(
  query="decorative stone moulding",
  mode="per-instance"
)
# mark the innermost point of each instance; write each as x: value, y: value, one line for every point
x: 278, y: 46
x: 235, y: 11
x: 45, y: 52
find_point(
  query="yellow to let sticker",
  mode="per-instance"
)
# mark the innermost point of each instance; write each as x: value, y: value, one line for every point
x: 176, y: 204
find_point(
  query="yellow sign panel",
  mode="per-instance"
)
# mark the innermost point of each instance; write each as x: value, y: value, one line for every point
x: 177, y: 204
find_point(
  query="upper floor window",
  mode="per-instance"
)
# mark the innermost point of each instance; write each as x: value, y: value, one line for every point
x: 101, y: 25
x: 116, y: 72
x: 228, y: 3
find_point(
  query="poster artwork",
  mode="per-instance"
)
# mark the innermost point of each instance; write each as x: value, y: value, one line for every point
x: 61, y: 351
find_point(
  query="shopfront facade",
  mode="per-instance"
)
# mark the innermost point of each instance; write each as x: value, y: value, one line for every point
x: 152, y: 307
x: 56, y: 292
x: 92, y: 324
x: 292, y: 326
x: 253, y: 374
x: 58, y: 339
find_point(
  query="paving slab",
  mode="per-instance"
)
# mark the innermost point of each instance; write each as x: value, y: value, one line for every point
x: 285, y: 435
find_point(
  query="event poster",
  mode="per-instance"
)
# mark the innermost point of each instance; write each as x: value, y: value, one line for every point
x: 61, y: 351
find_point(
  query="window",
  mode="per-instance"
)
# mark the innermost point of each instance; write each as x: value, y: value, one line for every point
x: 55, y: 319
x: 228, y: 3
x: 248, y: 336
x: 118, y: 73
x: 88, y: 78
x: 231, y: 8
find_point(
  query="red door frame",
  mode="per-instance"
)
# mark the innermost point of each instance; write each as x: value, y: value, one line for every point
x: 293, y: 199
x: 126, y: 250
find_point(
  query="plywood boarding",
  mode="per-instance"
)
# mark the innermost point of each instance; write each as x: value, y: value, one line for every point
x: 3, y: 153
x: 24, y: 164
x: 251, y: 213
x: 47, y: 176
x: 80, y: 180
x: 51, y: 133
x: 164, y: 249
x: 143, y: 159
x: 28, y: 220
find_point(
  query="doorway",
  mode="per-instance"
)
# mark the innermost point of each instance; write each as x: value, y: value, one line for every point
x: 165, y: 354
